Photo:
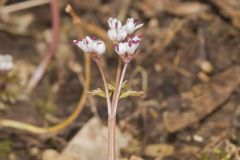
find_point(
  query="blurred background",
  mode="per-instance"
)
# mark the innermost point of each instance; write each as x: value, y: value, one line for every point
x: 188, y: 69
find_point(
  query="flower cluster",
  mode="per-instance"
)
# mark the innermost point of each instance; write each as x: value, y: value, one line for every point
x: 6, y: 63
x: 119, y: 32
x: 91, y: 45
x: 126, y: 43
x: 123, y: 35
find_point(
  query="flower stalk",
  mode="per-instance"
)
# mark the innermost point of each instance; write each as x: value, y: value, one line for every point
x: 98, y: 62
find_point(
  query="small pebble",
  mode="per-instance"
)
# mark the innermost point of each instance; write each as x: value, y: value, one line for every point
x: 197, y: 138
x: 206, y: 66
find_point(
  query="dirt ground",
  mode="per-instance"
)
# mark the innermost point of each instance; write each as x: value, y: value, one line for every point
x: 188, y: 68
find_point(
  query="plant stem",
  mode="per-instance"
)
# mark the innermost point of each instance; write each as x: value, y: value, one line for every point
x: 111, y: 137
x: 117, y: 78
x: 118, y: 91
x: 112, y: 115
x: 98, y: 62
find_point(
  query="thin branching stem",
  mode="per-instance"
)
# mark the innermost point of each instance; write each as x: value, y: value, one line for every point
x: 98, y: 62
x: 118, y: 91
x: 112, y: 116
x: 117, y: 78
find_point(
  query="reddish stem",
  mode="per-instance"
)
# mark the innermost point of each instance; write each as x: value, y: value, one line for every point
x: 40, y: 70
x: 117, y: 78
x: 98, y: 62
x: 118, y: 90
x: 111, y: 137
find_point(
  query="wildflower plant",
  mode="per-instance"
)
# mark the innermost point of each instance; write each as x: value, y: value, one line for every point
x: 126, y: 43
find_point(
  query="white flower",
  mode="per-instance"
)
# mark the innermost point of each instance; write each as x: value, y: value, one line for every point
x: 90, y: 45
x: 132, y: 25
x: 6, y: 63
x: 112, y: 34
x: 121, y: 48
x: 122, y: 34
x: 99, y: 47
x: 86, y: 44
x: 116, y: 32
x: 114, y: 24
x: 133, y: 44
x: 117, y: 35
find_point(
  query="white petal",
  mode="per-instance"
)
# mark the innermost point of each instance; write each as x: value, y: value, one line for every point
x: 112, y: 34
x: 83, y: 46
x: 138, y: 26
x: 114, y: 23
x: 110, y: 23
x: 100, y: 48
x: 118, y: 25
x: 132, y: 49
x: 120, y: 48
x: 122, y: 35
x: 130, y: 28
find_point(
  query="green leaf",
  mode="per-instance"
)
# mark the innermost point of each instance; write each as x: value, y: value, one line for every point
x: 111, y: 87
x: 131, y: 94
x: 97, y: 92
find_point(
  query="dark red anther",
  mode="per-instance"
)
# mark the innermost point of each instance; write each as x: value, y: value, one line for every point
x: 130, y: 43
x: 93, y: 38
x: 135, y: 41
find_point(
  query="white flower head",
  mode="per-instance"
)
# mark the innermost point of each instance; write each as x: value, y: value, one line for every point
x: 133, y: 44
x: 90, y: 45
x: 85, y: 44
x: 116, y: 32
x: 121, y: 48
x: 132, y: 25
x: 6, y: 63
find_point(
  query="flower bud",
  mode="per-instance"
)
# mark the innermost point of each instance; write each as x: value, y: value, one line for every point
x: 132, y: 25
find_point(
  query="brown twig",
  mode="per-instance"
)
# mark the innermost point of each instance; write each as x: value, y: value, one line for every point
x: 40, y: 70
x: 22, y: 5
